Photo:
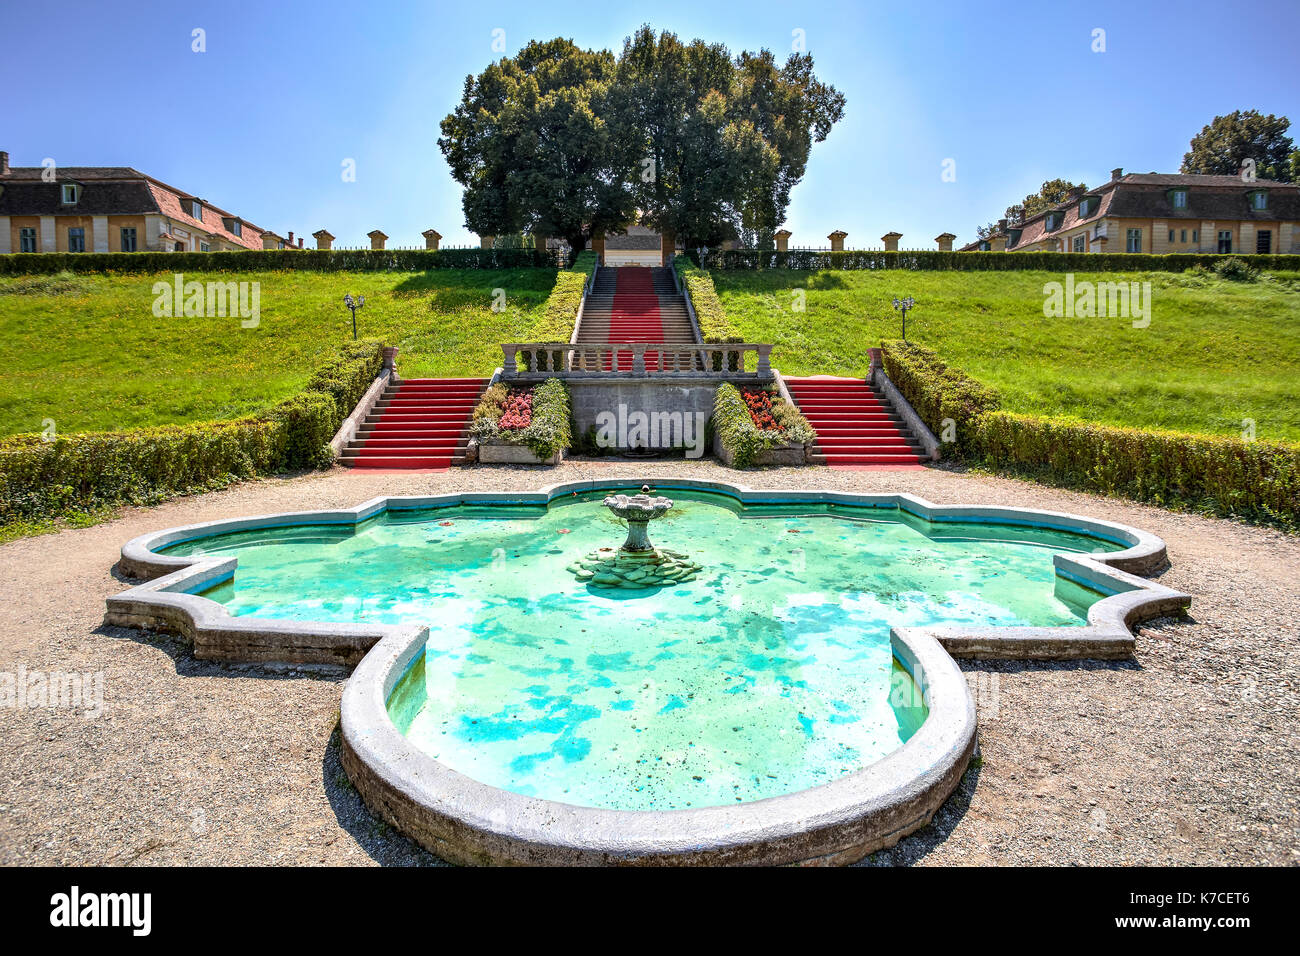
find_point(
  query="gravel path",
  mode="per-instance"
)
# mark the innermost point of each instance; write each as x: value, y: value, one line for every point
x: 1185, y: 755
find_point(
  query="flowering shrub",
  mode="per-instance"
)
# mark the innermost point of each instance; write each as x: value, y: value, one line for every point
x: 517, y: 412
x: 760, y: 409
x: 538, y: 418
x: 748, y: 422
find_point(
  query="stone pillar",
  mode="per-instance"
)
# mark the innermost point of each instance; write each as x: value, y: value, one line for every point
x: 485, y: 242
x: 668, y: 248
x: 431, y: 238
x: 890, y: 239
x: 323, y: 239
x: 837, y: 240
x: 945, y: 241
x: 377, y: 239
x: 390, y: 357
x: 598, y: 247
x: 782, y: 238
x: 539, y: 243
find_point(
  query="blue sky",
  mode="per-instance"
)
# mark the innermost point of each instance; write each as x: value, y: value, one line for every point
x: 261, y: 122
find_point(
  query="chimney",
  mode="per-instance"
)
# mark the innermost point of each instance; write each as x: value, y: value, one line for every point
x: 300, y: 242
x: 1002, y: 225
x: 1117, y: 174
x: 291, y: 237
x: 890, y: 239
x: 4, y: 163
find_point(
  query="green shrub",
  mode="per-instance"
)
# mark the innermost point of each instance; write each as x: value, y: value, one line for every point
x: 1235, y: 270
x: 932, y: 259
x: 275, y: 260
x: 1258, y: 481
x: 81, y: 473
x: 556, y: 323
x: 715, y: 327
x: 734, y: 426
x: 550, y: 430
x: 939, y: 392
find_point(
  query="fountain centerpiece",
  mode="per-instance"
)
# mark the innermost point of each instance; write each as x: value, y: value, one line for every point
x: 638, y: 563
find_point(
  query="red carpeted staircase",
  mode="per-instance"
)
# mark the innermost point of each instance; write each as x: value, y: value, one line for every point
x: 855, y: 424
x: 417, y: 423
x: 635, y: 304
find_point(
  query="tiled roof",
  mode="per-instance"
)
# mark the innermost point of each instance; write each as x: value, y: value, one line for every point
x: 1146, y: 196
x: 114, y: 191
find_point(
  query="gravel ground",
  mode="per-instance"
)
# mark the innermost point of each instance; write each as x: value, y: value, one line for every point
x: 1186, y: 755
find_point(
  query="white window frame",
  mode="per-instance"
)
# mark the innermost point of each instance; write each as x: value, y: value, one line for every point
x: 1259, y: 199
x: 27, y: 235
x: 196, y: 210
x: 69, y: 190
x: 236, y: 228
x: 1081, y: 242
x: 204, y: 247
x: 1180, y: 198
x: 1131, y: 235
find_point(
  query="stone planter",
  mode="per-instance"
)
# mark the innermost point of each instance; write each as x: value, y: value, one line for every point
x: 777, y: 455
x: 504, y: 453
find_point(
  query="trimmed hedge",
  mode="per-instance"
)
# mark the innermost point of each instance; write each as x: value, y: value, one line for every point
x: 561, y: 311
x: 275, y: 260
x: 88, y: 472
x: 715, y: 327
x: 1257, y: 481
x: 735, y: 428
x: 551, y: 429
x: 932, y: 260
x: 939, y: 392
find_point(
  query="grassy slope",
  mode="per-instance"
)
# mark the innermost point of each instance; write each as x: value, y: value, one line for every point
x: 1215, y: 353
x: 88, y: 352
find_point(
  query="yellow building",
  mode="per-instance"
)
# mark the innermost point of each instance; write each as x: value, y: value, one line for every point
x: 110, y: 209
x: 1162, y: 213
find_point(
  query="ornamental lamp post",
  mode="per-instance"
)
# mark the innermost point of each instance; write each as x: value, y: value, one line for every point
x: 902, y: 305
x: 353, y: 305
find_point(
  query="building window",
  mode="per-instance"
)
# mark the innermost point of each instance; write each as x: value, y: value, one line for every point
x: 1171, y: 235
x: 1134, y: 242
x: 128, y: 239
x: 1182, y: 235
x: 236, y: 228
x: 1080, y: 242
x: 1180, y: 198
x: 1259, y: 200
x: 1050, y: 224
x: 1225, y: 240
x: 27, y: 240
x: 1264, y: 241
x: 77, y: 239
x: 69, y: 193
x: 204, y: 247
x: 1193, y: 235
x: 196, y: 209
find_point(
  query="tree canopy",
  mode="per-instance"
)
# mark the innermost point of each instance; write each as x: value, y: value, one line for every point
x: 1051, y: 193
x: 682, y: 136
x: 1224, y: 145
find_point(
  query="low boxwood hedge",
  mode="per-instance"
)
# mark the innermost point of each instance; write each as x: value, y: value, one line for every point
x: 275, y: 260
x: 934, y: 260
x: 561, y: 310
x: 83, y: 473
x: 1257, y: 481
x: 715, y: 327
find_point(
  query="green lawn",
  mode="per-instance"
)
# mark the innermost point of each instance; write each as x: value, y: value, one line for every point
x: 88, y: 352
x: 1215, y: 352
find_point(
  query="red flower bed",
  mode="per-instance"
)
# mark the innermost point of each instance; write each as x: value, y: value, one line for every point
x: 760, y: 409
x: 517, y: 410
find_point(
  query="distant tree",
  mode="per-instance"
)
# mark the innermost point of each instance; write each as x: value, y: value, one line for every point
x: 1228, y: 141
x: 1053, y: 193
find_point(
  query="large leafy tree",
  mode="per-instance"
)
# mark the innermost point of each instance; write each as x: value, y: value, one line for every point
x: 1228, y: 141
x: 531, y: 143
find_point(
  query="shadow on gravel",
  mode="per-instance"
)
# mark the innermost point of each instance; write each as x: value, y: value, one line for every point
x: 913, y: 849
x: 381, y: 842
x: 187, y: 665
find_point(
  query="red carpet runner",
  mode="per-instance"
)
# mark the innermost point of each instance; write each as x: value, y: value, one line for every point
x: 418, y: 423
x: 855, y: 425
x: 634, y: 316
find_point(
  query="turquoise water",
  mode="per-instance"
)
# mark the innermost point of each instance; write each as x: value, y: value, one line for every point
x: 770, y: 673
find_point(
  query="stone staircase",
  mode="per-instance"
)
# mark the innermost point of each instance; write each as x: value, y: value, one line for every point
x: 635, y: 304
x: 417, y: 423
x: 855, y: 423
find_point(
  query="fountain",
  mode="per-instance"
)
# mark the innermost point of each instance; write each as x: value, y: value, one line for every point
x: 638, y: 563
